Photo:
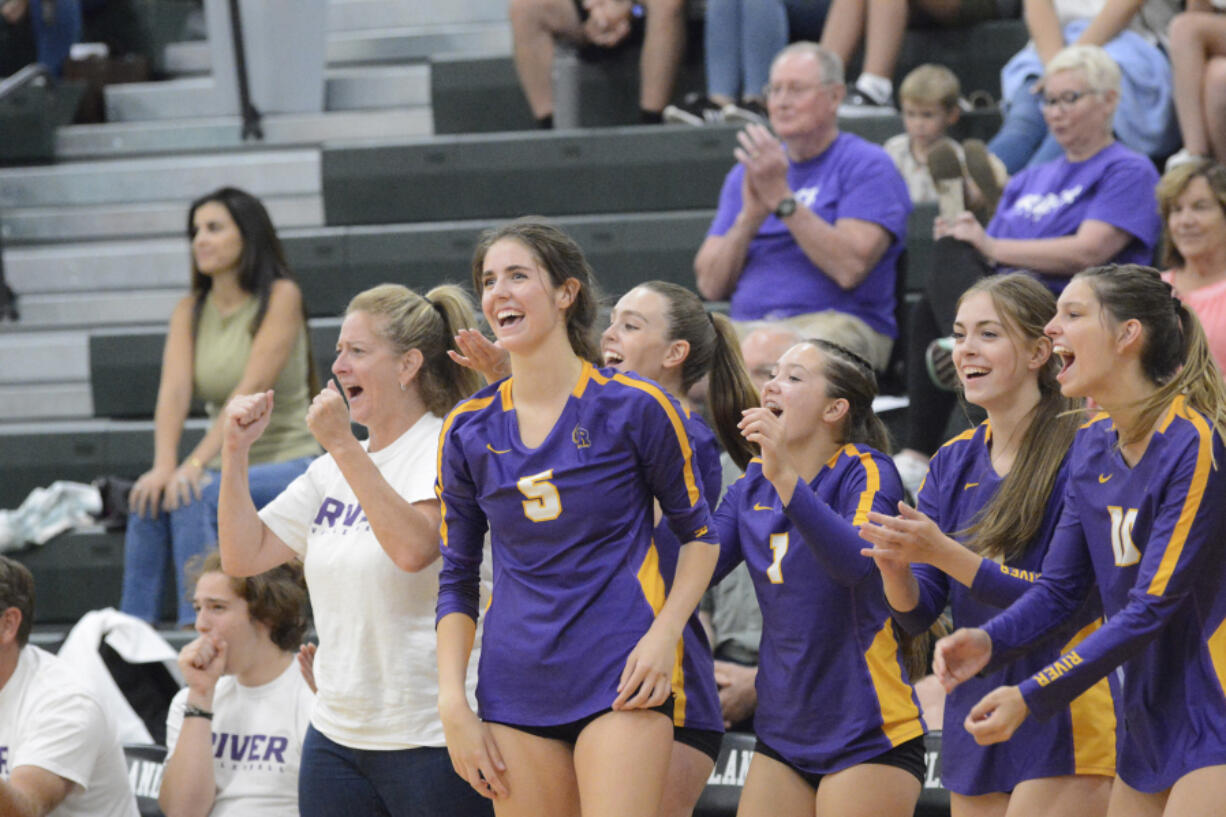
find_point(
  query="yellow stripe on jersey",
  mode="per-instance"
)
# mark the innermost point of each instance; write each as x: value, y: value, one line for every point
x: 463, y: 408
x: 504, y: 392
x: 1191, y: 503
x: 683, y: 439
x: 652, y: 583
x: 900, y: 716
x: 584, y: 376
x: 872, y: 479
x: 1102, y: 415
x: 1092, y: 715
x: 1217, y: 654
x: 965, y: 435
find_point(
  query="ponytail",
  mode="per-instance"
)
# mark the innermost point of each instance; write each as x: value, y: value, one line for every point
x: 851, y: 377
x: 731, y: 392
x: 452, y: 381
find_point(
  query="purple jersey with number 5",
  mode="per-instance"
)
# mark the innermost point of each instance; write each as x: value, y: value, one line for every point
x: 577, y: 578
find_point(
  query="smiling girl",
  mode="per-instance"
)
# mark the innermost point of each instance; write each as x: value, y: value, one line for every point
x: 985, y: 514
x: 562, y: 462
x: 1144, y: 520
x: 846, y: 741
x: 364, y: 521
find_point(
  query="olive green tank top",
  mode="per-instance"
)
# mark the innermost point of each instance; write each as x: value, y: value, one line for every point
x: 222, y: 347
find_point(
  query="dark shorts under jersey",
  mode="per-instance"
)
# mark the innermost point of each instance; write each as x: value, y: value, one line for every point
x: 706, y: 741
x: 908, y: 756
x: 569, y: 732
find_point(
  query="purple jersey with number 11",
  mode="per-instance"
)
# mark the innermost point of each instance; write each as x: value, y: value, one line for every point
x: 1151, y: 536
x: 577, y: 579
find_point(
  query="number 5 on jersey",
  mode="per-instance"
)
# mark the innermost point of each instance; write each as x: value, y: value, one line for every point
x: 1126, y: 552
x: 543, y: 503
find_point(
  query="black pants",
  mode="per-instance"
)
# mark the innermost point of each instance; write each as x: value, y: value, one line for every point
x: 956, y: 265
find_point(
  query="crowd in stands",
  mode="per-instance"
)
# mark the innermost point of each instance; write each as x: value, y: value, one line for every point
x: 560, y: 565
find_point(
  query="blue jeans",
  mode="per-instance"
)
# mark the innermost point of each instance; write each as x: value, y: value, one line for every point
x: 1023, y: 139
x: 186, y: 533
x: 336, y: 781
x: 54, y: 41
x: 743, y: 36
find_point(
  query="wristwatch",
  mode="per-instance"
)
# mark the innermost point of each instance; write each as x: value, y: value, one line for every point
x: 786, y: 207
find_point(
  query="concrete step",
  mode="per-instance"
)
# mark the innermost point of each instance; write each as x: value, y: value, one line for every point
x: 353, y: 15
x: 46, y: 401
x: 399, y: 44
x: 224, y: 133
x: 345, y: 89
x: 97, y: 309
x: 181, y: 178
x: 43, y: 357
x: 155, y: 219
x: 99, y: 266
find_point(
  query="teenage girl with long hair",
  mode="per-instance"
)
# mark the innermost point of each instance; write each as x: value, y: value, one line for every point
x: 1143, y: 519
x: 563, y: 462
x: 838, y: 723
x: 976, y: 541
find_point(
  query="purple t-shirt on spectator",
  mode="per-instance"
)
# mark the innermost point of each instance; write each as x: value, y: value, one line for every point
x: 850, y: 179
x: 1115, y: 185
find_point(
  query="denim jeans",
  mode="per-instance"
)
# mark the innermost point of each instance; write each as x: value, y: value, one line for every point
x: 185, y: 533
x: 336, y: 781
x: 743, y: 36
x: 55, y: 39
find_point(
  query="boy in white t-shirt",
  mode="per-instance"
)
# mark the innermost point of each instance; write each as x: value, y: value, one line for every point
x: 235, y: 732
x: 59, y: 753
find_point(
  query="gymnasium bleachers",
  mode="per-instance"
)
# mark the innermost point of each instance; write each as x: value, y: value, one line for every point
x: 424, y: 142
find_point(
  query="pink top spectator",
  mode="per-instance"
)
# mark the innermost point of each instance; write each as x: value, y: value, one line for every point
x: 1209, y: 304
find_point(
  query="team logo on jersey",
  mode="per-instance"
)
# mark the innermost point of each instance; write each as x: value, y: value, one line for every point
x: 495, y: 450
x: 581, y: 438
x: 970, y: 485
x: 1102, y: 479
x: 758, y: 506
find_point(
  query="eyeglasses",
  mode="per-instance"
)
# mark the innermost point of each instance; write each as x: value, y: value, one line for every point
x: 790, y: 90
x: 1066, y: 100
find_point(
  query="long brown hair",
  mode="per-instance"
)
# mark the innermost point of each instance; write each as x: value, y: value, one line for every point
x: 714, y: 350
x: 1175, y: 354
x: 410, y: 321
x: 562, y: 258
x: 277, y: 598
x: 1005, y: 526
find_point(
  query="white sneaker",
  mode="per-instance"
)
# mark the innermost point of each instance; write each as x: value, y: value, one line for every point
x: 912, y: 470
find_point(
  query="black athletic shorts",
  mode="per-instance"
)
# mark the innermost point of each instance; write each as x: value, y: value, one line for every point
x: 569, y: 732
x: 706, y: 741
x: 907, y: 756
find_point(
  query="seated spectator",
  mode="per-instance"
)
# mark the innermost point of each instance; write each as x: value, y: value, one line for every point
x: 740, y: 39
x: 241, y: 330
x: 658, y: 24
x: 1091, y: 206
x: 810, y: 223
x: 234, y: 733
x: 1133, y: 32
x: 1192, y: 198
x: 54, y: 27
x: 882, y: 24
x: 929, y: 96
x: 1198, y: 63
x: 59, y: 754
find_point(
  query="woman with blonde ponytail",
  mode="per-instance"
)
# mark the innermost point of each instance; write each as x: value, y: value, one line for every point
x: 1144, y: 520
x: 364, y: 521
x: 985, y: 515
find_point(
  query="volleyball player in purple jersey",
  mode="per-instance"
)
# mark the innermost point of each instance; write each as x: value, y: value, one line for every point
x: 663, y: 332
x: 562, y: 462
x: 838, y: 724
x: 1143, y: 518
x: 986, y: 512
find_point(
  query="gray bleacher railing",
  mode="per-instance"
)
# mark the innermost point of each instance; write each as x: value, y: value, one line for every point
x: 251, y: 116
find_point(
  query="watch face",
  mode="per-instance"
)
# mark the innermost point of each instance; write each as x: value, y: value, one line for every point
x: 786, y: 208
